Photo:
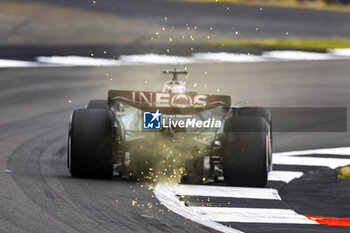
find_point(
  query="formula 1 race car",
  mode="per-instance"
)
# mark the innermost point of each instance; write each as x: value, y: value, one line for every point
x: 174, y: 135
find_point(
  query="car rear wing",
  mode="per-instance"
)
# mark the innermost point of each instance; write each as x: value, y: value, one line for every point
x: 143, y: 99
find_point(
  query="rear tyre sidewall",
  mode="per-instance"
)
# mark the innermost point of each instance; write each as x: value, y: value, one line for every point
x: 90, y: 143
x: 259, y: 112
x: 246, y: 151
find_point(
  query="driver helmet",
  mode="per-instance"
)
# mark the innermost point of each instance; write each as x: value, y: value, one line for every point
x: 174, y: 87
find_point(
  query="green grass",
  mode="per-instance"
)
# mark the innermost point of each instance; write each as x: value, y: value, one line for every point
x: 288, y: 43
x: 344, y: 172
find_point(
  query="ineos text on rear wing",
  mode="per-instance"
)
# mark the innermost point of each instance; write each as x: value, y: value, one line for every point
x: 142, y: 99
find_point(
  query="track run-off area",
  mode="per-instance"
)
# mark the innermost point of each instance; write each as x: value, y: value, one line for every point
x: 222, y: 208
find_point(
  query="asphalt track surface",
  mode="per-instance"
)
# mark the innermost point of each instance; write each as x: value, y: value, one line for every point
x: 226, y: 19
x: 37, y: 193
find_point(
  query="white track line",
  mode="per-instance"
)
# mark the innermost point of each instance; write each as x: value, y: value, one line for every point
x: 284, y: 176
x: 198, y: 58
x: 225, y: 191
x: 146, y: 59
x: 329, y: 151
x: 5, y: 63
x: 340, y: 52
x: 77, y: 61
x: 291, y: 158
x: 311, y: 161
x: 209, y: 216
x: 252, y: 215
x: 226, y: 58
x: 300, y: 56
x: 150, y: 59
x: 169, y: 200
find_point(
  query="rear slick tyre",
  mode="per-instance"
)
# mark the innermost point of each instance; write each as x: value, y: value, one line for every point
x: 246, y: 151
x: 90, y: 143
x: 98, y: 104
